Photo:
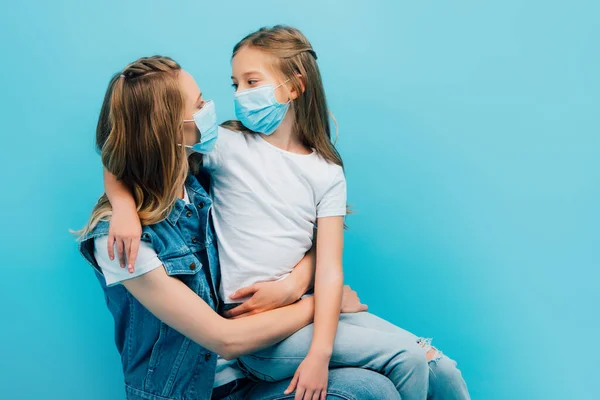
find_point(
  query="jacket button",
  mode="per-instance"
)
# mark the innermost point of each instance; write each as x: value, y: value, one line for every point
x: 194, y: 240
x: 201, y: 204
x: 207, y: 356
x: 188, y: 214
x: 193, y: 266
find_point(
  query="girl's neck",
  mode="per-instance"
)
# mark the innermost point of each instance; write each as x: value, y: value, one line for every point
x: 285, y: 138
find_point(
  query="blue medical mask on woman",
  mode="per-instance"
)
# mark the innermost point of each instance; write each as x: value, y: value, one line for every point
x: 206, y: 122
x: 258, y: 109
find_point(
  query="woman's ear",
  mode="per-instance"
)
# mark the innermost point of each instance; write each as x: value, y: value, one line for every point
x: 293, y: 92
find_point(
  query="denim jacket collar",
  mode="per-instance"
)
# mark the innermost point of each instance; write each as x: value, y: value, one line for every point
x: 195, y: 192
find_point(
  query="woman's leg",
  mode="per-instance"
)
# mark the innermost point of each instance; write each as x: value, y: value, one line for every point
x: 394, y: 353
x: 344, y: 384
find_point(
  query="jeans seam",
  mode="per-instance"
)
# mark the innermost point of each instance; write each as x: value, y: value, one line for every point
x: 257, y: 374
x: 274, y: 358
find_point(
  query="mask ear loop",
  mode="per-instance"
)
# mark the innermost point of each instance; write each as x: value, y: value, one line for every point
x: 337, y: 131
x: 280, y: 85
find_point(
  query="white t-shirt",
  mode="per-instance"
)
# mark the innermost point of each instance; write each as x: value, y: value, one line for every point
x: 265, y: 205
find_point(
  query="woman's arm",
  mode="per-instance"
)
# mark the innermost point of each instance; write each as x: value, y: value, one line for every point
x: 125, y: 227
x: 171, y: 301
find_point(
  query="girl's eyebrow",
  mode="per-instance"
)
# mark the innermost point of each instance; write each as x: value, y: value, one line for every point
x: 247, y: 73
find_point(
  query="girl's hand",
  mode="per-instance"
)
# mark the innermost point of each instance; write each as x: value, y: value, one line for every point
x: 125, y: 230
x: 351, y: 302
x: 310, y: 379
x: 265, y: 296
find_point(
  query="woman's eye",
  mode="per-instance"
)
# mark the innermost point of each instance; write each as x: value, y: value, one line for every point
x: 234, y: 85
x: 252, y: 82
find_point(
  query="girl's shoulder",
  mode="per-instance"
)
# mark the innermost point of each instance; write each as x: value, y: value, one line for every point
x: 327, y: 167
x: 228, y: 135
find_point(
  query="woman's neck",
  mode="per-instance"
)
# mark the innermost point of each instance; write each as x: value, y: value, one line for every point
x: 285, y: 138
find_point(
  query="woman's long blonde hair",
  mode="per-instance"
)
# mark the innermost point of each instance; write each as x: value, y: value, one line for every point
x: 295, y: 59
x: 139, y: 133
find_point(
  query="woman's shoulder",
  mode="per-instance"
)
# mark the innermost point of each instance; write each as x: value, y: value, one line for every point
x: 146, y: 261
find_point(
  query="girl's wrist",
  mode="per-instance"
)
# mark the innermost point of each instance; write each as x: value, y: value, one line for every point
x: 321, y: 352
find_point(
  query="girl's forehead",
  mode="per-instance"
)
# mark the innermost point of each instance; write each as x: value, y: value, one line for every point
x: 250, y: 59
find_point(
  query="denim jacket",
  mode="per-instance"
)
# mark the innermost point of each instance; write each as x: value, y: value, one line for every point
x: 158, y: 362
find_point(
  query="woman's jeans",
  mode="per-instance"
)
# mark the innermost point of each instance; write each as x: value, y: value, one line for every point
x: 364, y: 340
x: 344, y: 384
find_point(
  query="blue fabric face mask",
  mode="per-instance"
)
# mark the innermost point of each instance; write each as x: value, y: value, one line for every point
x: 206, y: 122
x: 258, y: 109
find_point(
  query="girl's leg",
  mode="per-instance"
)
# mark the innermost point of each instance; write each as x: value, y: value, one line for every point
x: 394, y: 353
x: 445, y: 380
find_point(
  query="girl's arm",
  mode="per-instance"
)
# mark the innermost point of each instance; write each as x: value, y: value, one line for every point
x: 329, y: 280
x: 171, y: 301
x: 311, y: 376
x: 271, y: 295
x: 125, y: 227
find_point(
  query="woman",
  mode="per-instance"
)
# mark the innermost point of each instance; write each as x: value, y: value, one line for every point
x: 166, y: 329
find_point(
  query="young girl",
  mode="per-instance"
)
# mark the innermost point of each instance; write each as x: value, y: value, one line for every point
x: 282, y: 178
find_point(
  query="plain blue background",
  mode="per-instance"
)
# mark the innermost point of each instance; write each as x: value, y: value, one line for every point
x: 471, y: 149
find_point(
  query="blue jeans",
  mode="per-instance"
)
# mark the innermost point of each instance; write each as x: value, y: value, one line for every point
x: 344, y: 384
x: 364, y: 340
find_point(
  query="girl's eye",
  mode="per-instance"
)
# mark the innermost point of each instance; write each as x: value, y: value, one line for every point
x: 234, y: 85
x: 252, y: 82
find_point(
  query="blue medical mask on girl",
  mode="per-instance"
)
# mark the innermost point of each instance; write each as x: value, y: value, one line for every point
x: 258, y: 108
x: 206, y: 122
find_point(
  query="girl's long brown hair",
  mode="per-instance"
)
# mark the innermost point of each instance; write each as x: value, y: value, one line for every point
x: 295, y: 59
x: 139, y: 131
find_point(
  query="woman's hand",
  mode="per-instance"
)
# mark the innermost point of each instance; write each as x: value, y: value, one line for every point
x: 351, y: 302
x: 125, y: 230
x: 271, y: 295
x: 266, y: 296
x: 310, y: 379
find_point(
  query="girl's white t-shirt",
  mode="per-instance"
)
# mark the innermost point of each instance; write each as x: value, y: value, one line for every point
x: 266, y: 202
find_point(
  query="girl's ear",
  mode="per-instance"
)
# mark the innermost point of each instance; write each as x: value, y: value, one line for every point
x: 293, y: 92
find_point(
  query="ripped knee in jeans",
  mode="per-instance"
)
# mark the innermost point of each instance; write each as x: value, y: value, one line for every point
x: 433, y: 354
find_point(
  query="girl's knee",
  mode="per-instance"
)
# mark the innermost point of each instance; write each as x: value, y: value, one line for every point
x: 414, y: 360
x: 442, y: 370
x: 445, y: 369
